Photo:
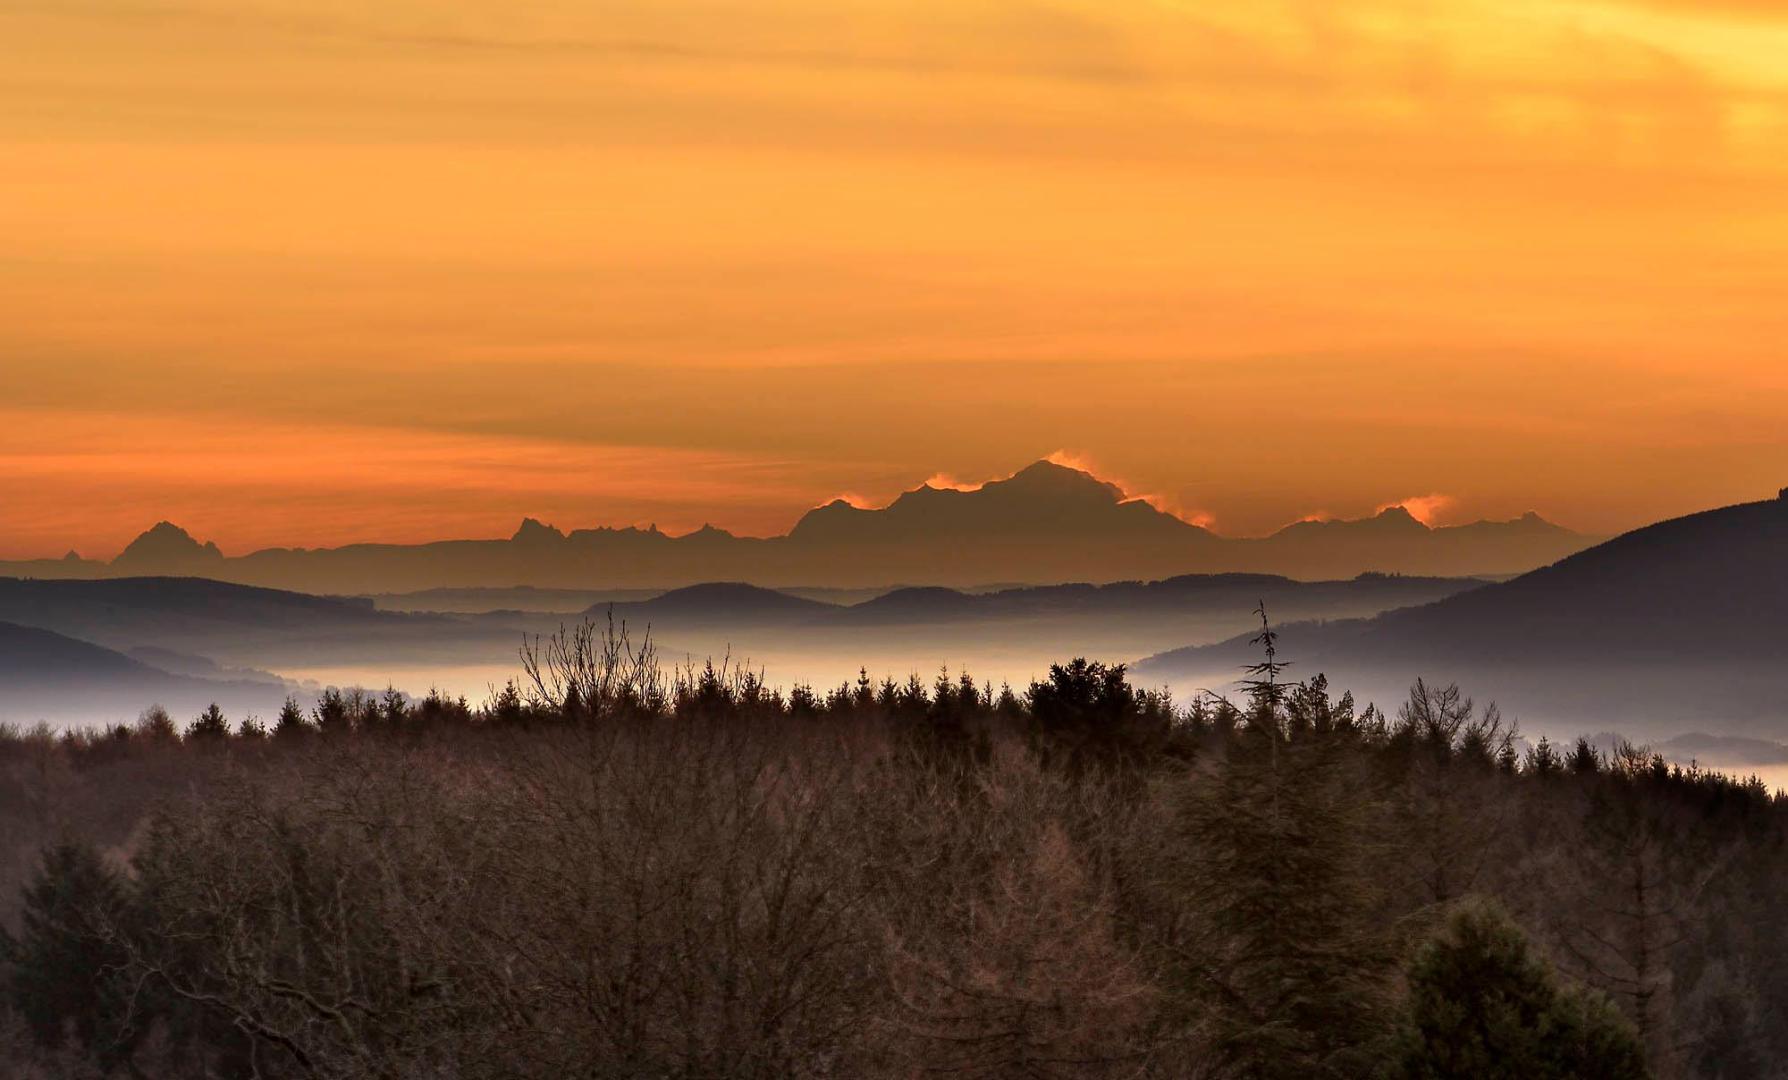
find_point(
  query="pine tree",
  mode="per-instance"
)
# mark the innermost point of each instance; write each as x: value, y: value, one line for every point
x: 333, y: 714
x: 1584, y: 760
x: 64, y: 971
x: 1286, y: 958
x: 506, y: 705
x: 290, y: 723
x: 1482, y: 1005
x: 209, y: 726
x: 1634, y: 920
x: 1087, y: 714
x: 1542, y: 760
x: 393, y: 709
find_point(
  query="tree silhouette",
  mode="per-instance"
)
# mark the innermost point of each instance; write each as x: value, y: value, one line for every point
x: 290, y: 723
x: 209, y: 726
x: 1273, y: 877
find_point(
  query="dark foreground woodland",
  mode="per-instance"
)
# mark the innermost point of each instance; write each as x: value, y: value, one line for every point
x: 618, y: 871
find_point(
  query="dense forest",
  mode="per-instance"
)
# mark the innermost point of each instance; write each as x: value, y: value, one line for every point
x: 612, y: 869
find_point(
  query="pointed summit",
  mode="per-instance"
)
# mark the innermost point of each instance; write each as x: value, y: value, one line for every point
x: 708, y: 533
x: 166, y: 549
x: 534, y: 531
x: 1046, y: 478
x: 1398, y: 517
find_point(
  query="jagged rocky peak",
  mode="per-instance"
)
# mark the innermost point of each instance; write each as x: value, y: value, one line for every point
x: 166, y: 544
x: 535, y: 531
x: 707, y: 532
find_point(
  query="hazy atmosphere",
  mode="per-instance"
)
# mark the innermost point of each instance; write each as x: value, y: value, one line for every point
x: 1000, y: 539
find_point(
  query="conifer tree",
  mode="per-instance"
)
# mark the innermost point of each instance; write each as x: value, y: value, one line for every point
x: 1482, y: 1005
x: 209, y: 726
x: 1542, y: 760
x: 290, y: 723
x: 1288, y: 963
x: 1584, y: 760
x: 64, y: 971
x: 393, y: 709
x: 1632, y: 927
x: 333, y: 714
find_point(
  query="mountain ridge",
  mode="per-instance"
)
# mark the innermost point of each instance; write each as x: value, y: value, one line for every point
x: 51, y: 676
x: 1045, y: 523
x: 1685, y: 614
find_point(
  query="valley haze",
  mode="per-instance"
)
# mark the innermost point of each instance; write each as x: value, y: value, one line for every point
x: 1569, y: 633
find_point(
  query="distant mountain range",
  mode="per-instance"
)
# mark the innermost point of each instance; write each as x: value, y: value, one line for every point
x: 1671, y: 628
x: 1666, y: 625
x: 1047, y: 523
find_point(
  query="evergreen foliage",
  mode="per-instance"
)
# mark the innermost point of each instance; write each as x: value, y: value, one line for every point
x: 65, y: 972
x: 210, y: 725
x: 1480, y: 1004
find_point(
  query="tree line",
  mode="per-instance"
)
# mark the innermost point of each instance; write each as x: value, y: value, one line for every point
x: 613, y: 868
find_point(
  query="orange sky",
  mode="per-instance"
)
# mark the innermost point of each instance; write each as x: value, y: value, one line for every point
x: 310, y: 271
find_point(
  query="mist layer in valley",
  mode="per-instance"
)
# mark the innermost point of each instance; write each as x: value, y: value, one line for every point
x: 184, y: 641
x: 1670, y: 634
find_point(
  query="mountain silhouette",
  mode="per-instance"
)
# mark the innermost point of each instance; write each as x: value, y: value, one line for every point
x: 166, y: 549
x: 1685, y: 615
x: 1042, y: 502
x: 1046, y: 523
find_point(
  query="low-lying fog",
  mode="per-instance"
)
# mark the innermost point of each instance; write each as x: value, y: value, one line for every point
x: 467, y: 643
x: 1673, y: 735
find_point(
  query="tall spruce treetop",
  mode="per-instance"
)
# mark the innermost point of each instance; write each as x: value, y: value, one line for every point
x: 1291, y: 967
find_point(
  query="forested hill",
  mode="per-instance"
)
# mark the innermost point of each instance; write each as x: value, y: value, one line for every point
x: 1680, y: 618
x: 623, y: 872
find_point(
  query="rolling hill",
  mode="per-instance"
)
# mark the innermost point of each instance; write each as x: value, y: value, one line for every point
x: 237, y: 625
x: 1673, y: 624
x: 49, y: 676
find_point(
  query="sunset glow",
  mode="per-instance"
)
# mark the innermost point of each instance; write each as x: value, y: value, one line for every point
x: 307, y: 273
